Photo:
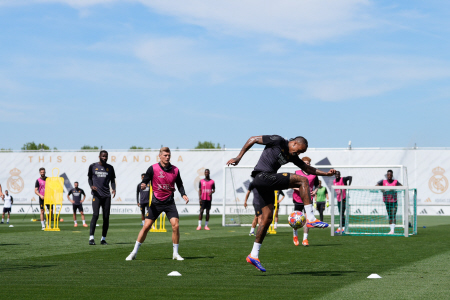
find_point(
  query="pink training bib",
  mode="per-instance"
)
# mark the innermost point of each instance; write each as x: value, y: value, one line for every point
x: 163, y: 183
x: 311, y: 178
x: 340, y: 194
x: 389, y: 196
x: 41, y: 188
x: 206, y: 187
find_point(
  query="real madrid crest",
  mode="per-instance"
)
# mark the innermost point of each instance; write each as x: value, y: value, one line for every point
x: 438, y: 184
x: 15, y: 182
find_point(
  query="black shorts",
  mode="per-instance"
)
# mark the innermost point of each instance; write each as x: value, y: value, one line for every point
x: 321, y: 206
x: 257, y: 209
x: 142, y: 207
x: 391, y: 208
x: 77, y: 206
x: 299, y: 206
x: 158, y: 207
x: 205, y: 204
x: 6, y: 209
x: 266, y: 184
x: 41, y: 204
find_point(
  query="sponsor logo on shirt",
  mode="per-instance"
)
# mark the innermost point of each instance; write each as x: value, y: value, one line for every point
x: 162, y: 186
x: 161, y: 174
x: 281, y: 159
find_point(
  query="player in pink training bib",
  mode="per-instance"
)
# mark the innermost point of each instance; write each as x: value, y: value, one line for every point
x: 206, y: 188
x: 163, y: 177
x: 313, y: 181
x: 390, y: 199
x: 341, y: 196
x: 39, y: 190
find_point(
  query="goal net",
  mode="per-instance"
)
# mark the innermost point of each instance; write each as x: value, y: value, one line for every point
x: 374, y: 210
x: 237, y: 180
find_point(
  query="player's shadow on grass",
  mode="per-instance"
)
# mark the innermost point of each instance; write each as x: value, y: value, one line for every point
x: 130, y: 243
x: 24, y: 268
x: 316, y: 273
x: 325, y: 245
x: 196, y: 257
x: 12, y: 244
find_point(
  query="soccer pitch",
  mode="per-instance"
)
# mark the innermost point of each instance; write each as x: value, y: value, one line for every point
x: 61, y: 265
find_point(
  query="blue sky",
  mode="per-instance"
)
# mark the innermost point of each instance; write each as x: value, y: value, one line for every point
x: 151, y: 73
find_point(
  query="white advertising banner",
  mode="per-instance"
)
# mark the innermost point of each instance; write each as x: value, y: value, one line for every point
x: 427, y: 171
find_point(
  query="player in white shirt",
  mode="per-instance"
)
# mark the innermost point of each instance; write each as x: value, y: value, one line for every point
x: 8, y: 199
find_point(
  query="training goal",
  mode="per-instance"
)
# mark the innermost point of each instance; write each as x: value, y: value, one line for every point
x: 236, y: 180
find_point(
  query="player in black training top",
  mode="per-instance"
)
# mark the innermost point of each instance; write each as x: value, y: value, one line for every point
x: 100, y: 174
x: 278, y: 152
x: 77, y: 203
x: 142, y: 198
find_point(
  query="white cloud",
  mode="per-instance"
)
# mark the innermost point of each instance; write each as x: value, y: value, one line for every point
x: 305, y: 21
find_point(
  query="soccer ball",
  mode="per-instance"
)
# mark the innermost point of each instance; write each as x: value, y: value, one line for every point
x: 297, y: 219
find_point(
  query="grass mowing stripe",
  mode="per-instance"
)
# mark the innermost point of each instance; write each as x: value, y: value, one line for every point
x: 424, y: 279
x: 215, y: 264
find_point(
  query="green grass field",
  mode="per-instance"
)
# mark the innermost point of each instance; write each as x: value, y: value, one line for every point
x: 61, y: 265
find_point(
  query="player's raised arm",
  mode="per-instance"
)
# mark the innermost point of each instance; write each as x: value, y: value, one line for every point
x: 312, y: 170
x: 251, y: 141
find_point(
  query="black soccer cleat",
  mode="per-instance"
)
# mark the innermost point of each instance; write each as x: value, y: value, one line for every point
x: 91, y: 242
x: 103, y: 242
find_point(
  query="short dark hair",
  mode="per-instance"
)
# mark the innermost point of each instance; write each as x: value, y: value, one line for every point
x: 207, y: 170
x: 75, y: 182
x: 390, y: 171
x: 143, y: 174
x: 103, y: 151
x: 301, y: 140
x: 40, y: 169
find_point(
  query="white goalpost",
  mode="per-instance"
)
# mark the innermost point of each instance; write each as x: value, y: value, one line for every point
x: 236, y: 180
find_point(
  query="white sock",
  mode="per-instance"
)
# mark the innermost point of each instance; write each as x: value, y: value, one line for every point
x: 103, y: 238
x: 310, y: 213
x: 252, y: 230
x: 305, y: 236
x: 175, y: 249
x: 199, y: 222
x: 3, y: 220
x: 91, y: 237
x: 295, y: 232
x: 143, y: 222
x: 84, y: 222
x: 206, y: 223
x: 43, y: 223
x: 392, y: 227
x: 276, y: 223
x: 7, y: 220
x: 255, y: 250
x: 75, y: 222
x: 136, y: 247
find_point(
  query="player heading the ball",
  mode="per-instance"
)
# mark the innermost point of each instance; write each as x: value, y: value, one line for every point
x: 163, y: 177
x: 278, y: 152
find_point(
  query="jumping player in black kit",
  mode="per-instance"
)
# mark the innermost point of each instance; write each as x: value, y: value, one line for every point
x: 278, y: 151
x: 142, y: 198
x: 100, y: 174
x: 77, y: 203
